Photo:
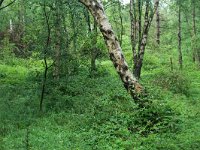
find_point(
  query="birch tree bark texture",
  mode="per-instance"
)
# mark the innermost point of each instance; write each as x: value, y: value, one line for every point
x: 115, y: 51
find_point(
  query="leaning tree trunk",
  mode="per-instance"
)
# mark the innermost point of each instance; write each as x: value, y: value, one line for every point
x: 115, y: 51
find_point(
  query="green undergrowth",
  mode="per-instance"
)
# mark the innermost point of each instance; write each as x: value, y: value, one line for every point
x: 95, y: 112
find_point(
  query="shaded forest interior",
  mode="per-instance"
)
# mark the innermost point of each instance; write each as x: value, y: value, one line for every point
x: 109, y: 74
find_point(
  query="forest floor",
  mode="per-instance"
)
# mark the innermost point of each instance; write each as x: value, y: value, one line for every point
x: 83, y: 112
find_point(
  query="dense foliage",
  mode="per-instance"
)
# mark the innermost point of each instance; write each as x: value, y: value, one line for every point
x: 59, y: 90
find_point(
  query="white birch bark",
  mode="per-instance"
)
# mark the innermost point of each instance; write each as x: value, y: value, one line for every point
x: 115, y: 50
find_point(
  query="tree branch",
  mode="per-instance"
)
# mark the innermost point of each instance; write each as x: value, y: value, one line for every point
x: 6, y: 5
x: 1, y: 2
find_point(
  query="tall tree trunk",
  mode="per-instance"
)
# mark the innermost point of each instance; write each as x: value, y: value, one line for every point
x: 115, y: 51
x: 140, y: 55
x: 133, y: 29
x: 158, y: 25
x: 45, y: 57
x: 179, y: 38
x: 147, y: 23
x: 73, y: 26
x: 58, y: 26
x: 118, y: 20
x: 194, y: 30
x: 196, y: 51
x: 139, y: 22
x: 121, y: 23
x: 192, y: 34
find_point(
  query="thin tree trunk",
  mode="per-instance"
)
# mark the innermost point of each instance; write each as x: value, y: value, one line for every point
x: 171, y: 64
x: 141, y: 51
x: 58, y: 26
x: 73, y: 25
x: 138, y: 64
x: 121, y: 23
x: 94, y: 48
x: 21, y: 19
x: 194, y: 30
x: 133, y: 30
x: 196, y: 52
x: 158, y: 25
x: 45, y: 58
x: 191, y: 35
x: 118, y: 20
x: 115, y: 51
x: 139, y: 23
x: 179, y: 38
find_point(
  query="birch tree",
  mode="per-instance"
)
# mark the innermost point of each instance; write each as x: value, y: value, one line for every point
x: 139, y: 34
x: 115, y: 51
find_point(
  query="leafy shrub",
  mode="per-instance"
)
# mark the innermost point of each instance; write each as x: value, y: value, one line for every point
x: 7, y: 49
x: 150, y: 62
x: 157, y: 118
x: 173, y: 81
x: 155, y: 115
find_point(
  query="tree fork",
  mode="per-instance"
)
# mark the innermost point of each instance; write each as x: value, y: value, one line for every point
x: 143, y: 42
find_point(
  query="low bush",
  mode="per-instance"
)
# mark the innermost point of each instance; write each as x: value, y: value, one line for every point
x: 173, y: 81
